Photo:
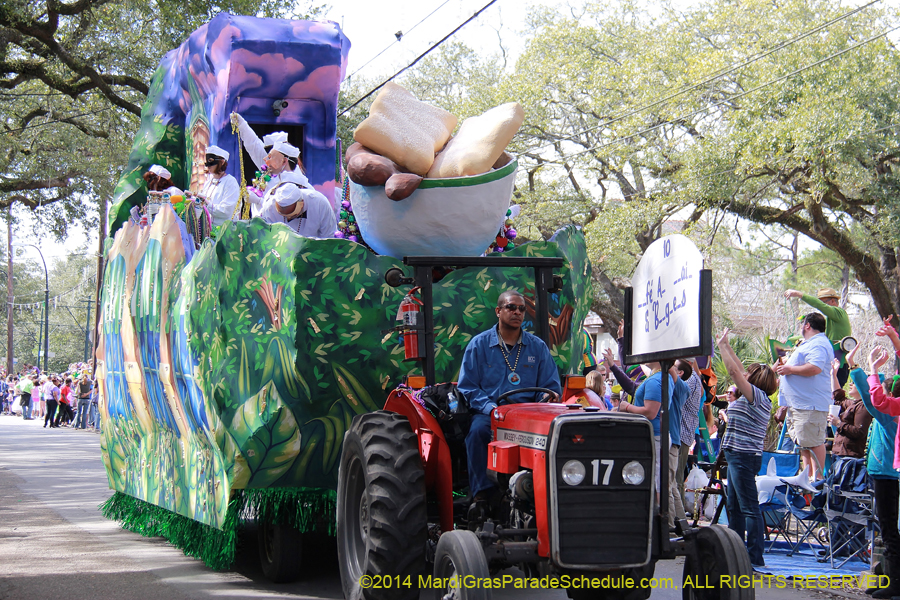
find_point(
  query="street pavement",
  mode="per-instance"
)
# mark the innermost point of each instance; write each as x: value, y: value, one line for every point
x: 54, y: 544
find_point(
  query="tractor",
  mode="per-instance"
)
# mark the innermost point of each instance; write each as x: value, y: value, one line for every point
x: 578, y: 494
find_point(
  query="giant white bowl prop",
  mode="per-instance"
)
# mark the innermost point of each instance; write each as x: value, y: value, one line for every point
x: 457, y: 216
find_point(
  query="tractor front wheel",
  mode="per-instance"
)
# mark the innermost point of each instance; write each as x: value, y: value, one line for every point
x: 381, y: 512
x: 721, y: 552
x: 459, y: 554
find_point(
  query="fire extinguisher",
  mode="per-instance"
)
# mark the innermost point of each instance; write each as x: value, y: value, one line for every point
x: 409, y: 316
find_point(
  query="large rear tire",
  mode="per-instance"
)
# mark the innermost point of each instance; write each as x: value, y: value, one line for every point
x: 381, y: 512
x: 459, y: 554
x: 280, y: 552
x: 722, y: 553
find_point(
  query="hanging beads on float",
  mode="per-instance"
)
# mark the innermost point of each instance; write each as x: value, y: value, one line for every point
x: 505, y: 236
x: 348, y: 228
x: 260, y: 181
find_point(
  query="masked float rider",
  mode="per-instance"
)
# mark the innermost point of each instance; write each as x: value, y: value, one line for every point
x: 502, y: 359
x: 221, y: 190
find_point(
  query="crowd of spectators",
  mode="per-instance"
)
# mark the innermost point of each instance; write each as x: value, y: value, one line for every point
x: 60, y: 400
x: 807, y: 387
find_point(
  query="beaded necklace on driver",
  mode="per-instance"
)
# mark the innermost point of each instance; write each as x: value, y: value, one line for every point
x: 505, y: 355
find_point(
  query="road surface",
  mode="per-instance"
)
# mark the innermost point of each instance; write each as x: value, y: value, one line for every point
x: 54, y: 544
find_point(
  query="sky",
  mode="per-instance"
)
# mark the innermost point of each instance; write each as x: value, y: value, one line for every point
x: 371, y: 29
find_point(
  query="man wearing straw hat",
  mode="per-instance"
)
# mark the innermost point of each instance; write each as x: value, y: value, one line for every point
x: 837, y: 323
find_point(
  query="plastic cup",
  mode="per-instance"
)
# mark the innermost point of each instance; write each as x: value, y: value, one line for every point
x: 834, y: 410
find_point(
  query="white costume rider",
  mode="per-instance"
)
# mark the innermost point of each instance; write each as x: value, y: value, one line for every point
x: 222, y: 191
x: 259, y: 151
x: 300, y: 207
x: 164, y: 173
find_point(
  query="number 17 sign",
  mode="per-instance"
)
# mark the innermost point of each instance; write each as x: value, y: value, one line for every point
x: 668, y: 309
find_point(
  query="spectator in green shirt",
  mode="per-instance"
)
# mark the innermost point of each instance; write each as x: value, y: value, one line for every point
x: 25, y: 387
x: 837, y: 323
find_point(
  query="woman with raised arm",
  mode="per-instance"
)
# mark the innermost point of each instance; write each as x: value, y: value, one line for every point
x: 851, y: 426
x: 880, y: 465
x: 748, y: 417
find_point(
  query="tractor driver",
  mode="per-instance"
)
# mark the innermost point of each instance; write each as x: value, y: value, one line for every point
x: 502, y: 359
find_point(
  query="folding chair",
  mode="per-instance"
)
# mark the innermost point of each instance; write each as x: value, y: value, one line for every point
x: 808, y: 517
x: 777, y: 517
x: 850, y: 512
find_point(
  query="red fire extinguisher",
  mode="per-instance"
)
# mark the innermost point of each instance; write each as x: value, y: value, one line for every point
x: 409, y: 315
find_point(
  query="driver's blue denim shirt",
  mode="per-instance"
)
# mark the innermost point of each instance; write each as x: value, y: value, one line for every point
x: 484, y: 372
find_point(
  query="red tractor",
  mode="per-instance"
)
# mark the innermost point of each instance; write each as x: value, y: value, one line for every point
x: 578, y: 501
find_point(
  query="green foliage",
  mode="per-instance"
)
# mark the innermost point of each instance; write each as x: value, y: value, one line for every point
x: 635, y: 116
x: 72, y: 283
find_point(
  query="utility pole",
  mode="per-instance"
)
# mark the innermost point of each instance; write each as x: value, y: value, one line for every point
x: 9, y: 294
x: 87, y: 330
x: 99, y: 282
x: 40, y: 337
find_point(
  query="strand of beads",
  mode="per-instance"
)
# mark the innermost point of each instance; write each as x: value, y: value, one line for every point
x: 347, y: 227
x: 506, y: 235
x: 260, y: 181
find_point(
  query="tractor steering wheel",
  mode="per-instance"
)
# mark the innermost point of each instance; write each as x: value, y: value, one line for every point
x: 536, y: 390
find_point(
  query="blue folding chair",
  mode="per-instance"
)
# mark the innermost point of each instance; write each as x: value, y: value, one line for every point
x: 777, y: 517
x: 809, y: 517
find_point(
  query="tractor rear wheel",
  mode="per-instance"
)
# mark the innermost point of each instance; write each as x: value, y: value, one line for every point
x: 280, y: 552
x: 459, y: 554
x: 381, y: 511
x: 722, y: 553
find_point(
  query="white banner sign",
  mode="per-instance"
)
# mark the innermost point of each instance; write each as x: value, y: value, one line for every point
x: 666, y: 297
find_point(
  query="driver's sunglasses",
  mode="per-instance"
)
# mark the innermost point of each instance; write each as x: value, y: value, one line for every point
x: 515, y: 307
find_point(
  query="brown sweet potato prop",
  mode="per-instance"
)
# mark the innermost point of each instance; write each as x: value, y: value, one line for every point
x: 364, y: 167
x: 370, y: 169
x: 401, y: 185
x: 354, y: 149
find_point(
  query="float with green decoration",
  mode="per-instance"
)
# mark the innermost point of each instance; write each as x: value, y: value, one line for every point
x: 229, y: 372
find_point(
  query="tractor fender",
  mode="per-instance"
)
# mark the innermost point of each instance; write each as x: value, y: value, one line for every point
x: 433, y: 449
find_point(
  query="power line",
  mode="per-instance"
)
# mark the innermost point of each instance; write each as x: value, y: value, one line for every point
x: 418, y: 58
x: 719, y: 74
x: 731, y: 98
x: 407, y: 32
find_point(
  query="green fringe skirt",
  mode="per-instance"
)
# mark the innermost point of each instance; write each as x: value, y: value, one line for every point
x: 301, y: 508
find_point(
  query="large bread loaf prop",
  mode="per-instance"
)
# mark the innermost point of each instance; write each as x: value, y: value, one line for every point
x: 405, y: 130
x: 480, y: 142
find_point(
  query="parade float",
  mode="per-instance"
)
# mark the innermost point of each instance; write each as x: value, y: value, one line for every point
x: 230, y: 370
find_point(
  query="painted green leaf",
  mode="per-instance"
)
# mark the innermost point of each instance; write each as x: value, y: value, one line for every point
x: 267, y: 436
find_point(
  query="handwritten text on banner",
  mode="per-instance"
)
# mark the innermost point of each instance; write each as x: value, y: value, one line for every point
x: 666, y: 287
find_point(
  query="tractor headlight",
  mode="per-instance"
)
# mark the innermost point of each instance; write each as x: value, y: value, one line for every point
x: 633, y: 473
x: 573, y: 472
